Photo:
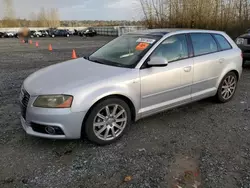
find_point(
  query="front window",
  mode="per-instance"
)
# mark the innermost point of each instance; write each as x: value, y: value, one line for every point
x: 173, y: 48
x: 124, y: 51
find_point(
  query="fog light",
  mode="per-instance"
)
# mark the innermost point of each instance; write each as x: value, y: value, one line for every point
x: 50, y: 130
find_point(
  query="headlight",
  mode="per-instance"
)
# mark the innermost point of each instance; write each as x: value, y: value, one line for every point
x: 53, y: 101
x: 239, y: 41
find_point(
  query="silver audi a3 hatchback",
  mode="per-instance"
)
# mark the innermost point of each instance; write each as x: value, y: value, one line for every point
x: 131, y: 77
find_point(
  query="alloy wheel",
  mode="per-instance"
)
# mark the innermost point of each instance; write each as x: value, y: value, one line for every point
x: 110, y: 122
x: 228, y: 87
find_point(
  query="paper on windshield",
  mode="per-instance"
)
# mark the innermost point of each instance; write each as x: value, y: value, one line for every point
x: 146, y: 40
x: 142, y: 46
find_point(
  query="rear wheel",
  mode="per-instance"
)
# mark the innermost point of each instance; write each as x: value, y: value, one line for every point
x: 227, y: 87
x: 107, y: 121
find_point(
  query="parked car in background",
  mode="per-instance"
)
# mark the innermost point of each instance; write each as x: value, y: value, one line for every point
x: 1, y: 34
x: 44, y: 33
x: 18, y: 34
x: 133, y: 76
x: 9, y: 34
x: 89, y: 32
x: 70, y: 32
x: 35, y: 34
x: 59, y: 33
x: 243, y: 41
x: 76, y: 32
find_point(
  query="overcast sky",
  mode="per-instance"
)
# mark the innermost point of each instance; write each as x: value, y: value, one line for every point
x: 81, y: 9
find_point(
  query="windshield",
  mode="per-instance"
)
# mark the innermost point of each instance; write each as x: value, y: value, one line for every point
x: 124, y: 51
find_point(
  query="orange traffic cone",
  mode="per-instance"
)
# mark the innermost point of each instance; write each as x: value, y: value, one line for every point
x: 50, y: 47
x: 37, y: 44
x: 30, y: 41
x: 74, y: 54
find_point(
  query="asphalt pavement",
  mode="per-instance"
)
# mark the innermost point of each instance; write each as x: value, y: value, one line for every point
x: 203, y: 144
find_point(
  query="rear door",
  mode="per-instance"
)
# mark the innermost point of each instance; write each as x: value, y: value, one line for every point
x: 208, y: 65
x: 224, y: 46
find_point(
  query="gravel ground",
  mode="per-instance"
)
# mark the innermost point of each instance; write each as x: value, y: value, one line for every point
x: 203, y: 144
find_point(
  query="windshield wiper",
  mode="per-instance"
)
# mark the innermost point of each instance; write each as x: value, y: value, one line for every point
x: 96, y: 61
x: 105, y: 62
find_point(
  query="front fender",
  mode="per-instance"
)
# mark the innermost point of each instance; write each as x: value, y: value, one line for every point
x: 85, y: 100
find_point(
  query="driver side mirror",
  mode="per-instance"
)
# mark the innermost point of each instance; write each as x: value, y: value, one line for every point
x: 158, y: 62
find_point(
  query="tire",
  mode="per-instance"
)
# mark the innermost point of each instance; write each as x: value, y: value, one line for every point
x: 108, y: 125
x: 53, y: 36
x: 223, y: 94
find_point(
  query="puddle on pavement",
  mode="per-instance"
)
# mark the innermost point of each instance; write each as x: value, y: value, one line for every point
x: 184, y: 173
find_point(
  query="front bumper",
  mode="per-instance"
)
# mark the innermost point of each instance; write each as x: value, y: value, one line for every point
x: 64, y: 119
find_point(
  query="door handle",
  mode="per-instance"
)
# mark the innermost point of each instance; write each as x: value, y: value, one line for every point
x: 187, y: 69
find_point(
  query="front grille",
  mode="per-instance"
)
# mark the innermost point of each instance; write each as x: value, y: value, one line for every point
x: 24, y: 102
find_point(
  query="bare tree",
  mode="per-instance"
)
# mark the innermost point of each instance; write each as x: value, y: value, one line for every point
x: 48, y: 18
x: 229, y: 15
x: 8, y: 9
x: 9, y: 14
x: 53, y: 17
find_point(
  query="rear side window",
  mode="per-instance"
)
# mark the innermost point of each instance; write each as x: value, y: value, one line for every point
x: 224, y: 44
x: 203, y: 43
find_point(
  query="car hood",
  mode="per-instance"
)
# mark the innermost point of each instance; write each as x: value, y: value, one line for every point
x: 63, y: 77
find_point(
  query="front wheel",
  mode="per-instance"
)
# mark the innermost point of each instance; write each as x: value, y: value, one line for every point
x: 227, y: 87
x: 107, y: 121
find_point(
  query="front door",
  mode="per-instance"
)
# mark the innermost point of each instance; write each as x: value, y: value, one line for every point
x: 169, y: 86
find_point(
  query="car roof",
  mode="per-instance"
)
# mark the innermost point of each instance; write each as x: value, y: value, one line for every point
x: 162, y: 32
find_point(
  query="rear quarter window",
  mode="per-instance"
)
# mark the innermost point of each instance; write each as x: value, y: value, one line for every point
x: 224, y: 44
x: 203, y: 43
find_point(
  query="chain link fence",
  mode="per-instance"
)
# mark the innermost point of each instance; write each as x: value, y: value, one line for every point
x: 105, y: 31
